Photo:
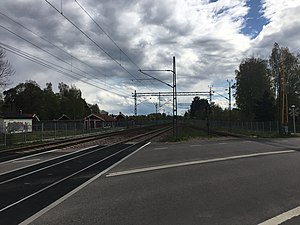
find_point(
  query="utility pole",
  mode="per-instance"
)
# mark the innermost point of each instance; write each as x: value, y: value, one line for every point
x: 159, y: 100
x: 294, y: 114
x: 175, y: 125
x: 229, y: 94
x: 210, y: 94
x: 229, y: 99
x: 135, y: 104
x: 174, y: 92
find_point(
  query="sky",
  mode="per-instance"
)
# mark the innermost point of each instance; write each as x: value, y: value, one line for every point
x: 100, y: 46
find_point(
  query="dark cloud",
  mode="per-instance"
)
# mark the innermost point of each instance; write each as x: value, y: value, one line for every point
x: 207, y: 44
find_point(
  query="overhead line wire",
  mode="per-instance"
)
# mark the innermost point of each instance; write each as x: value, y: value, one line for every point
x: 110, y: 38
x: 35, y: 45
x: 106, y: 33
x: 62, y: 60
x: 51, y: 43
x: 49, y: 65
x: 78, y: 78
x: 87, y: 36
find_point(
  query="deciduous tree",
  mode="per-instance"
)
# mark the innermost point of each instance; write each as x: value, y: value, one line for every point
x: 6, y: 70
x: 252, y: 84
x: 199, y: 108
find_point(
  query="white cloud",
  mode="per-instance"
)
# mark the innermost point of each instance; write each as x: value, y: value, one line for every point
x: 205, y: 37
x: 283, y: 28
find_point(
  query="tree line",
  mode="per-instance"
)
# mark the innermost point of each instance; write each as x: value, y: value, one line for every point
x: 265, y: 89
x: 28, y: 97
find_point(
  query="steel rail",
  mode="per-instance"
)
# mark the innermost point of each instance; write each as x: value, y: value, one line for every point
x: 26, y: 195
x: 37, y: 148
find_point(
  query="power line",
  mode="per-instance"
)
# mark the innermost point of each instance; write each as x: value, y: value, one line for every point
x: 58, y: 58
x: 72, y: 56
x: 50, y: 65
x: 106, y: 33
x: 78, y: 78
x: 33, y: 44
x: 97, y: 24
x: 87, y: 36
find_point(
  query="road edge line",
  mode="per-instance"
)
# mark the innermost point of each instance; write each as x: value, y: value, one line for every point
x: 57, y: 157
x: 68, y: 195
x: 282, y: 217
x: 198, y: 162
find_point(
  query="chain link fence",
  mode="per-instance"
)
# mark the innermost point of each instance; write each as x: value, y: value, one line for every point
x: 242, y: 127
x: 49, y: 130
x: 266, y: 128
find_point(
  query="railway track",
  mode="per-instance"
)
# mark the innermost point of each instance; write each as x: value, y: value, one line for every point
x: 33, y: 186
x: 38, y: 148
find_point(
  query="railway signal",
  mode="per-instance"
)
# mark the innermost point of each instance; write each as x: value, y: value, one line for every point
x: 294, y: 112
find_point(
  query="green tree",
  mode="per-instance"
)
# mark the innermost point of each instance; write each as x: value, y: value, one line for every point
x: 199, y: 108
x: 29, y: 98
x: 25, y: 98
x: 252, y: 84
x: 264, y: 108
x: 51, y: 103
x: 94, y: 109
x: 285, y: 74
x: 71, y: 103
x: 217, y: 113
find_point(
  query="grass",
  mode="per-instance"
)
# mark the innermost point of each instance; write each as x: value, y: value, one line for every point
x: 186, y: 132
x: 252, y: 133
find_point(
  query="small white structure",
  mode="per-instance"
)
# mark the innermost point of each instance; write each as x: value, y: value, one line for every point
x: 16, y: 123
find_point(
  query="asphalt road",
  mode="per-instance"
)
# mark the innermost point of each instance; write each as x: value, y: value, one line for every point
x: 29, y: 189
x: 214, y: 186
x: 230, y: 181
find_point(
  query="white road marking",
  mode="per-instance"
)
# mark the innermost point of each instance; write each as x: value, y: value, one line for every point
x: 223, y: 143
x: 140, y: 170
x: 68, y: 195
x: 282, y: 217
x: 46, y: 167
x: 55, y: 183
x: 161, y: 148
x: 26, y: 160
x: 46, y: 160
x: 195, y: 145
x: 28, y: 156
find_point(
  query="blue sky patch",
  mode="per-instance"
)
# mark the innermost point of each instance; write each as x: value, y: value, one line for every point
x: 254, y: 19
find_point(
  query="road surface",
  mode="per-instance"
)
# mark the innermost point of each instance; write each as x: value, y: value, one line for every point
x: 227, y: 181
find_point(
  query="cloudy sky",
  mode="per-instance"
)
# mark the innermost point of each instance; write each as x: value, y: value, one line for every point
x: 100, y: 46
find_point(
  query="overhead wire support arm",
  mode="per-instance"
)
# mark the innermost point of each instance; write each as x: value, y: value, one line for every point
x: 142, y: 71
x: 179, y: 93
x: 214, y: 92
x: 174, y: 93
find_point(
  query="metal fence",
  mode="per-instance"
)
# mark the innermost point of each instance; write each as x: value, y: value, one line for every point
x: 252, y: 126
x: 245, y: 127
x: 46, y: 131
x: 49, y: 130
